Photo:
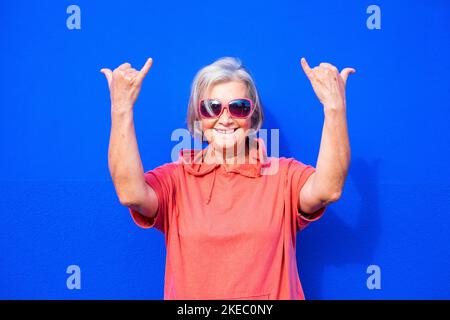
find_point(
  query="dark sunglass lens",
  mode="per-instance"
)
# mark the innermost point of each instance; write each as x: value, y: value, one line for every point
x: 210, y: 108
x: 240, y: 108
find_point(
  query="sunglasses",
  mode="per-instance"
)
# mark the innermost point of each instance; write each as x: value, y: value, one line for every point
x: 238, y: 108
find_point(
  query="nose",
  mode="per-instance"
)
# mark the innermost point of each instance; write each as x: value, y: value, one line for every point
x: 225, y: 118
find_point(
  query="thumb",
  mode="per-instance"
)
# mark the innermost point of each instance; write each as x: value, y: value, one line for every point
x: 108, y: 74
x: 345, y: 72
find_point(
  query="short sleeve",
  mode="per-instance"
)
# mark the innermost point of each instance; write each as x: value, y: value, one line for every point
x: 162, y: 181
x: 298, y: 174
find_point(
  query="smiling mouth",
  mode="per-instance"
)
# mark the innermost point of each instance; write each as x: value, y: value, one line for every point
x: 230, y: 131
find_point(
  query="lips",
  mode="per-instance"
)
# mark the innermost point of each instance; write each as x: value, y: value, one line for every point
x: 225, y: 131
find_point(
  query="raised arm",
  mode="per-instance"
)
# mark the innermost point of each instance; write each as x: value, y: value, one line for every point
x: 325, y: 185
x: 124, y: 161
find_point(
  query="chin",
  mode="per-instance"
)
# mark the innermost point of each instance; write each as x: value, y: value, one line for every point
x: 228, y: 144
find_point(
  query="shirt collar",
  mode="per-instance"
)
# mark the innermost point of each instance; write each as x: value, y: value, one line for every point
x: 200, y: 162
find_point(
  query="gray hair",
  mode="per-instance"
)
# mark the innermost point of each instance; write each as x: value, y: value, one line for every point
x: 222, y: 70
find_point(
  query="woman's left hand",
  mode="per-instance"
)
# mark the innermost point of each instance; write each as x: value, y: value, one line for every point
x: 328, y: 84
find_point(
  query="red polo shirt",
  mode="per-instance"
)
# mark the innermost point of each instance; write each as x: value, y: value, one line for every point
x: 230, y: 233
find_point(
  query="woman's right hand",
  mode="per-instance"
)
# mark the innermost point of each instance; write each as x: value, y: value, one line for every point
x: 124, y: 84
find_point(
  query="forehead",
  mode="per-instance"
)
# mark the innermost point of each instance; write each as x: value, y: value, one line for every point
x: 228, y: 90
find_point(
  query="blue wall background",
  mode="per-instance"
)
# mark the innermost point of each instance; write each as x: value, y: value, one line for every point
x: 58, y: 205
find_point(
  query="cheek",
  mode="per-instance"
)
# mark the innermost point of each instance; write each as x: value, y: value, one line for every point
x: 207, y: 125
x: 244, y: 124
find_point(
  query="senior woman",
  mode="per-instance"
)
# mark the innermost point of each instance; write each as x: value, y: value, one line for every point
x: 229, y: 220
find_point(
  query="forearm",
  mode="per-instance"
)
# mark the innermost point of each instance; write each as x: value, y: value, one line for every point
x: 334, y: 156
x: 123, y: 158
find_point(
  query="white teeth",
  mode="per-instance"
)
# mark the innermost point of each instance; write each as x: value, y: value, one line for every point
x: 225, y: 131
